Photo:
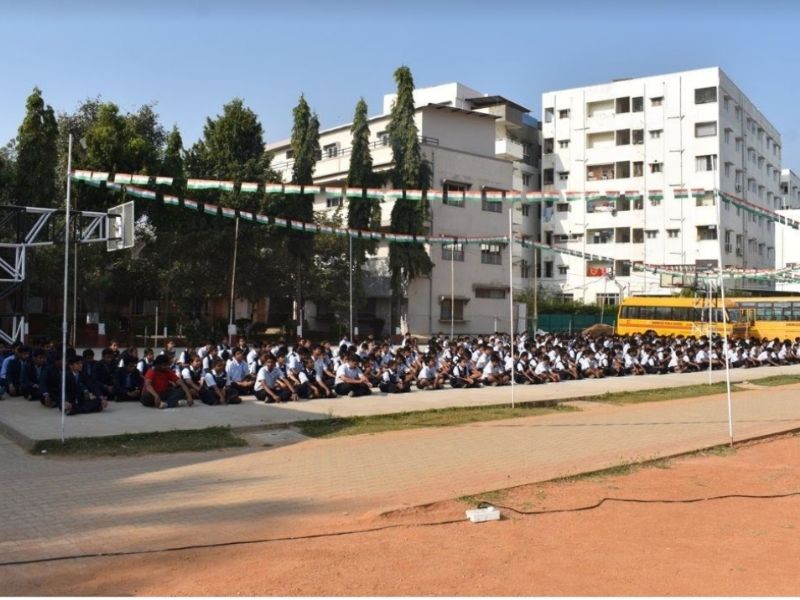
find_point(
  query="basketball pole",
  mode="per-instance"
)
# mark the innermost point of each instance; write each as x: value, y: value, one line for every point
x: 66, y: 292
x: 511, y: 291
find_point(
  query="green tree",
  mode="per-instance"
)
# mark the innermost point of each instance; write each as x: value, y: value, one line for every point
x: 7, y: 179
x: 37, y: 154
x: 362, y: 213
x: 406, y: 260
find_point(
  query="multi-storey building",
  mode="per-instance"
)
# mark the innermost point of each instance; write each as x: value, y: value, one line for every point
x: 790, y: 189
x: 645, y: 155
x: 473, y: 143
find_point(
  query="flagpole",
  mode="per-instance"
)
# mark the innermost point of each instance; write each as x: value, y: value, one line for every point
x: 511, y: 291
x: 452, y: 288
x: 350, y: 270
x: 724, y: 310
x: 233, y: 280
x: 66, y: 292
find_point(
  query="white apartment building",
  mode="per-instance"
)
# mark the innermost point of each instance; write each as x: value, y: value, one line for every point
x: 648, y: 138
x: 474, y: 143
x: 790, y: 189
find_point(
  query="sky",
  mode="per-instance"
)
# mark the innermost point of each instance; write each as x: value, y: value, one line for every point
x: 190, y: 58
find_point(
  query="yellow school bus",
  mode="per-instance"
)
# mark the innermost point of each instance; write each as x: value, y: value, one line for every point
x: 667, y: 315
x: 772, y: 316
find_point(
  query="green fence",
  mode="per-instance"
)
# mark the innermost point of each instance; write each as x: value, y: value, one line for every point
x: 567, y: 322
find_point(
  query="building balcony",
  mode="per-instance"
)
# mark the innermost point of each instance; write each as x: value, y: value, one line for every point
x: 508, y: 149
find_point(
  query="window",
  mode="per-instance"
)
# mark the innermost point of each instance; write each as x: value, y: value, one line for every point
x: 637, y: 136
x: 707, y: 129
x: 548, y: 268
x: 623, y: 169
x: 526, y: 179
x: 651, y: 234
x: 548, y: 115
x: 655, y: 134
x: 453, y: 252
x: 494, y: 206
x: 333, y: 202
x: 547, y: 147
x: 453, y: 193
x: 562, y: 207
x: 623, y: 137
x: 563, y: 113
x: 547, y: 176
x: 657, y: 101
x: 524, y: 269
x: 638, y: 168
x: 526, y: 210
x: 289, y: 154
x: 563, y: 269
x: 330, y: 150
x: 637, y: 104
x: 706, y: 232
x: 707, y: 162
x: 457, y: 309
x: 491, y: 254
x: 563, y: 143
x: 492, y: 293
x: 563, y: 175
x: 673, y: 233
x: 383, y: 138
x: 656, y: 167
x: 607, y: 299
x: 623, y: 105
x: 705, y: 95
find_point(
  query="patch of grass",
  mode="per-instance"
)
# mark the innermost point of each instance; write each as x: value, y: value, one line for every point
x: 134, y: 444
x: 721, y: 450
x: 668, y: 393
x: 444, y: 417
x: 774, y: 380
x: 491, y: 497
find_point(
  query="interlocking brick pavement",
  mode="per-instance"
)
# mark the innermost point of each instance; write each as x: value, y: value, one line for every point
x: 51, y: 506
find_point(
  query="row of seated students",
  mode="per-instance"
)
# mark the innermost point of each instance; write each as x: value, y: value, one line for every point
x: 217, y: 374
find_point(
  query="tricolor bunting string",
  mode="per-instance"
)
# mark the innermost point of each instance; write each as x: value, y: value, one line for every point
x: 789, y: 274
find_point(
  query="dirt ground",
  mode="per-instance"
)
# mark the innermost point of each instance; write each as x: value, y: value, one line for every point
x: 734, y: 546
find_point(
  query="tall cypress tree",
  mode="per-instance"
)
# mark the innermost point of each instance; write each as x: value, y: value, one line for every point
x: 406, y: 260
x: 362, y: 213
x: 37, y: 154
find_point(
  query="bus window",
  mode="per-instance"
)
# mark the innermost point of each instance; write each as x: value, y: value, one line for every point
x: 663, y: 313
x: 764, y: 311
x: 782, y: 311
x: 681, y: 314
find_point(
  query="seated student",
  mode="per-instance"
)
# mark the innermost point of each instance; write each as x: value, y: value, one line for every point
x: 522, y: 372
x: 105, y: 371
x: 146, y: 362
x: 89, y: 365
x: 494, y: 373
x: 324, y: 376
x: 80, y: 397
x: 350, y: 379
x: 130, y: 351
x: 238, y: 373
x: 215, y: 388
x: 169, y: 349
x: 429, y: 376
x: 11, y: 371
x: 33, y: 375
x: 288, y: 380
x: 306, y: 378
x: 208, y: 360
x: 192, y: 375
x: 163, y: 388
x: 128, y: 382
x: 266, y: 387
x: 391, y: 382
x: 544, y: 371
x: 462, y: 375
x: 50, y: 383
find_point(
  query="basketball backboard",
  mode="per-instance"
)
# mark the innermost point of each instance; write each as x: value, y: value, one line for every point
x: 120, y: 227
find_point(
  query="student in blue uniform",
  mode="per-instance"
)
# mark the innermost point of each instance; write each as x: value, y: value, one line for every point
x: 192, y: 375
x: 128, y: 381
x: 105, y: 371
x: 11, y: 370
x: 267, y: 378
x: 215, y: 389
x: 80, y: 397
x: 33, y: 375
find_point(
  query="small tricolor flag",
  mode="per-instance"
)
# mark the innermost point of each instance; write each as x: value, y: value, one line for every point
x: 163, y: 180
x: 280, y: 222
x: 210, y: 209
x: 226, y: 186
x: 681, y: 193
x: 122, y: 178
x: 312, y: 189
x: 191, y: 204
x: 202, y: 184
x: 291, y: 189
x: 228, y: 212
x: 413, y: 195
x: 99, y: 176
x: 374, y: 193
x: 473, y: 196
x: 249, y: 187
x: 171, y: 200
x: 140, y: 179
x: 82, y: 175
x: 494, y: 196
x: 262, y: 218
x: 273, y: 188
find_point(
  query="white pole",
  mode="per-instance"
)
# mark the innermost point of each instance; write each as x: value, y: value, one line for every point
x: 350, y: 270
x: 511, y: 291
x: 452, y: 288
x: 155, y: 331
x: 233, y: 281
x: 724, y: 312
x: 66, y: 292
x: 710, y: 334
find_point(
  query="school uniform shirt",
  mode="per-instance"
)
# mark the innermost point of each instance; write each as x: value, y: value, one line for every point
x: 701, y: 356
x: 267, y: 379
x: 293, y: 362
x: 541, y: 368
x: 585, y: 363
x: 189, y: 374
x: 492, y: 369
x: 236, y: 371
x: 320, y: 364
x: 461, y: 372
x: 346, y: 371
x: 508, y: 363
x: 214, y: 379
x: 208, y: 364
x: 427, y: 372
x: 389, y: 377
x: 252, y: 357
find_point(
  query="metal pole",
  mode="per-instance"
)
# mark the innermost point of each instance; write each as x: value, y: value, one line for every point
x: 511, y: 291
x: 66, y: 292
x: 724, y: 322
x: 75, y: 291
x: 350, y: 270
x: 710, y: 333
x: 233, y: 280
x: 155, y: 331
x: 452, y: 287
x: 535, y: 289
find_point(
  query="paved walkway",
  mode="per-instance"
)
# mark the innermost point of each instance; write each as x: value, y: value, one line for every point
x: 54, y: 506
x: 28, y: 421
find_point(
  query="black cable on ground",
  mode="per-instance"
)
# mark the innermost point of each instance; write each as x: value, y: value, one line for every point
x: 312, y: 536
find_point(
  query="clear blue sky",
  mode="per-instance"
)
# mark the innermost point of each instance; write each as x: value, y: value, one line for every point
x: 192, y: 57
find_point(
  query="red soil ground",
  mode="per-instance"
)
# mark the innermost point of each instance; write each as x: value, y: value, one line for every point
x: 734, y: 546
